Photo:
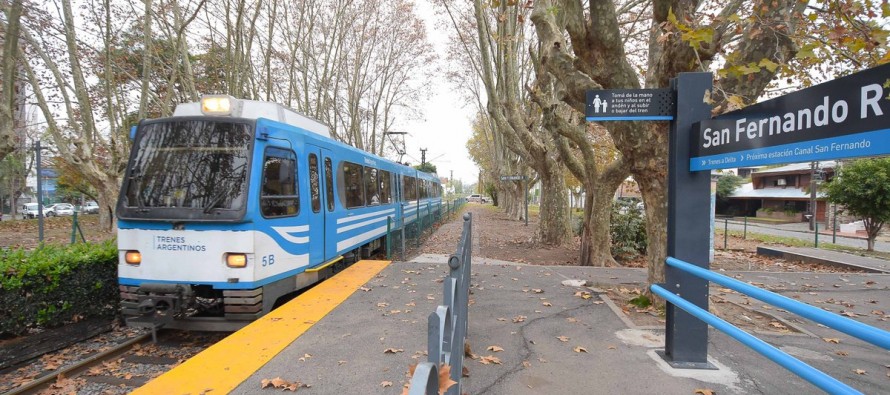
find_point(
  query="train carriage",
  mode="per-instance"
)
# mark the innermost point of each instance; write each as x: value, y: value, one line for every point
x: 230, y: 205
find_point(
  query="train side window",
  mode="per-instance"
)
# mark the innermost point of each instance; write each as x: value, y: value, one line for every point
x: 409, y: 188
x: 423, y: 189
x: 385, y: 187
x: 351, y: 185
x: 279, y: 196
x: 329, y: 183
x: 314, y: 187
x: 371, y: 188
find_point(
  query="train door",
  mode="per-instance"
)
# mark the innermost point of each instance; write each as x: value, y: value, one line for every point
x: 318, y: 202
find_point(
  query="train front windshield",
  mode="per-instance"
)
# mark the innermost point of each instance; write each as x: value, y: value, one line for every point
x: 188, y: 170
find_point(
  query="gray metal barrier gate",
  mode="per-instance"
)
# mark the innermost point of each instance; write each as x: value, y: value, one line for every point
x: 447, y: 326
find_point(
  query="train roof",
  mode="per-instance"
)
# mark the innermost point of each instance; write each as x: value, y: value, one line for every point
x: 252, y: 109
x: 224, y: 105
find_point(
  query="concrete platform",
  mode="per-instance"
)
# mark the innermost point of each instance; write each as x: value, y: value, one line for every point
x: 367, y: 343
x: 827, y: 257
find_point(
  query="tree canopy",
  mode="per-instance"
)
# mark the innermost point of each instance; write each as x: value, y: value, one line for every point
x: 862, y: 188
x: 427, y: 167
x: 726, y: 184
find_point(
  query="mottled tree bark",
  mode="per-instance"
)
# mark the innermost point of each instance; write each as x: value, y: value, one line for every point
x: 588, y: 53
x: 10, y: 64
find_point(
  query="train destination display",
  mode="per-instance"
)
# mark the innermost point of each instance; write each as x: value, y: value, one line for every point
x: 844, y: 118
x: 630, y: 105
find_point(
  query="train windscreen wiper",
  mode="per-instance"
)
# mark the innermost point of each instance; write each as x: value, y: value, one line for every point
x: 214, y: 201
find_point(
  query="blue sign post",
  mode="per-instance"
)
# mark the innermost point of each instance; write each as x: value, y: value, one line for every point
x: 844, y: 118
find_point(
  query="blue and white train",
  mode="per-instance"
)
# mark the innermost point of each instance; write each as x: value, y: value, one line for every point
x: 230, y: 205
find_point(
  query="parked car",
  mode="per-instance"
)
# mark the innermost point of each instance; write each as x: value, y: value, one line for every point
x: 90, y: 208
x: 477, y: 198
x: 29, y: 210
x: 59, y: 209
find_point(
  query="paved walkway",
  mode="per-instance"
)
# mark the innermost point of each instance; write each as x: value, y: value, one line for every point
x: 801, y: 231
x: 368, y: 342
x: 827, y: 257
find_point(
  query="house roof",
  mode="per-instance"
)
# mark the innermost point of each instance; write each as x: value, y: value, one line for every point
x: 796, y: 167
x: 747, y: 191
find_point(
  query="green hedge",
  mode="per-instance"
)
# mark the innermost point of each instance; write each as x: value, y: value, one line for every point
x: 53, y: 285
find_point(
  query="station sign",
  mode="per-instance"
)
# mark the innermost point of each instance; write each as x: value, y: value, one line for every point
x: 843, y: 118
x: 512, y: 178
x: 630, y: 105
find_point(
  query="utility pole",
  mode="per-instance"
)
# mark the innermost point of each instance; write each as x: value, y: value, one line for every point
x: 423, y: 156
x: 39, y: 194
x: 813, y: 167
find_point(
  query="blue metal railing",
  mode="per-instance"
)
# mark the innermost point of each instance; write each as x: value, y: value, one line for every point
x: 818, y: 378
x: 447, y: 326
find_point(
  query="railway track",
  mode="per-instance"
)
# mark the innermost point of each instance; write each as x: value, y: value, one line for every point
x: 119, y: 368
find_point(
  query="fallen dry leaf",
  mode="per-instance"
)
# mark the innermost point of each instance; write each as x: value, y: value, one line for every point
x: 445, y: 381
x: 490, y: 359
x: 278, y: 382
x: 494, y: 348
x: 392, y: 350
x: 779, y: 325
x: 579, y: 349
x: 548, y: 304
x: 859, y: 371
x: 704, y: 391
x: 385, y: 384
x: 832, y: 340
x: 519, y: 318
x: 563, y: 338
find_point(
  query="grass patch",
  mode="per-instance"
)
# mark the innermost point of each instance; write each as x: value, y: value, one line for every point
x: 764, y: 220
x: 771, y: 239
x: 795, y: 242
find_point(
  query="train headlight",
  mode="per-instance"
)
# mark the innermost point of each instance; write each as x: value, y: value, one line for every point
x: 217, y: 104
x: 133, y: 257
x: 236, y: 260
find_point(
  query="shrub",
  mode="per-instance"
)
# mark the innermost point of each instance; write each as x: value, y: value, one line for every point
x: 628, y: 230
x: 54, y: 285
x: 577, y: 223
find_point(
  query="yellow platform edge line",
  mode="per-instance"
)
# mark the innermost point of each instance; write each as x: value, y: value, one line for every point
x: 225, y: 365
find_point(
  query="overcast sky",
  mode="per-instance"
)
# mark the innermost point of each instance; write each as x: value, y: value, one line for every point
x: 445, y: 126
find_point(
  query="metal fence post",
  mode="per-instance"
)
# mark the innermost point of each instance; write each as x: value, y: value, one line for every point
x: 725, y: 231
x: 745, y: 231
x: 418, y: 225
x: 74, y: 227
x: 402, y: 228
x: 816, y: 222
x: 834, y: 225
x: 388, y: 238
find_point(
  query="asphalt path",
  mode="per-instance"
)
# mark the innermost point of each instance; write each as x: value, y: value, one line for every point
x: 800, y: 232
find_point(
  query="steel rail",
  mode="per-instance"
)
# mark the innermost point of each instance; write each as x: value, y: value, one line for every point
x: 75, y: 369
